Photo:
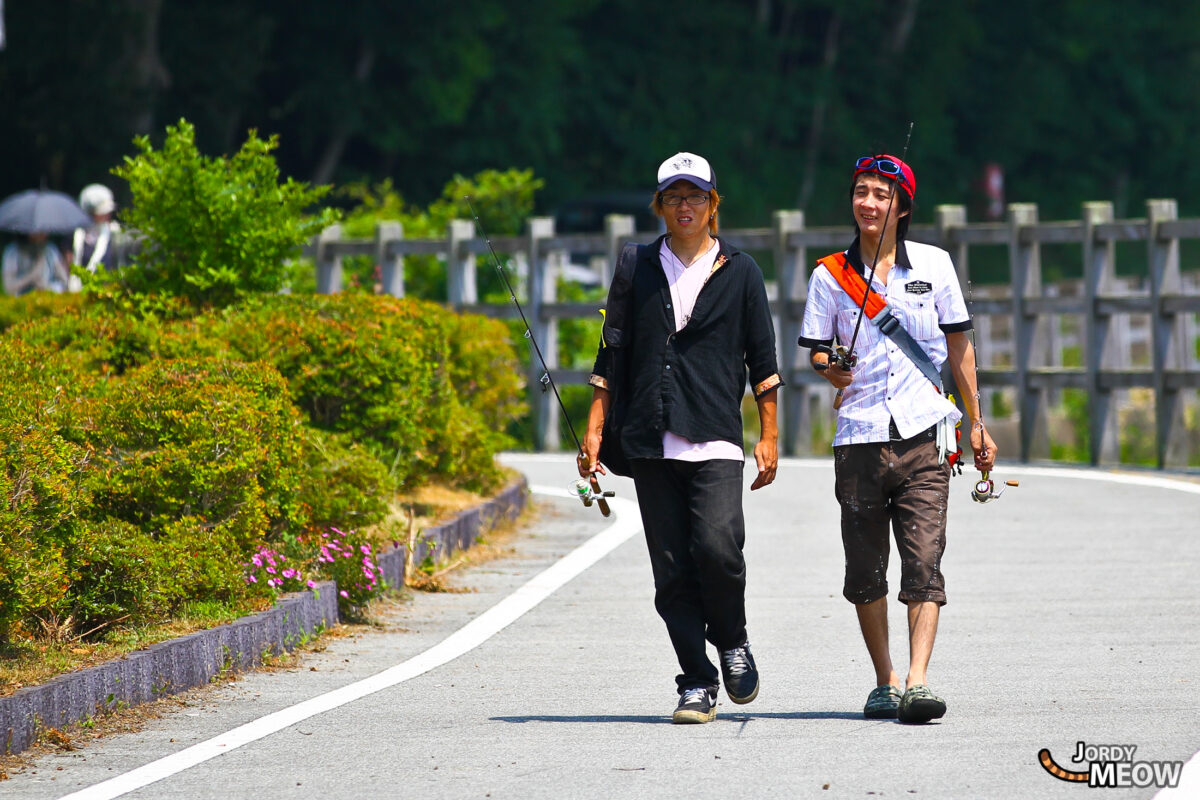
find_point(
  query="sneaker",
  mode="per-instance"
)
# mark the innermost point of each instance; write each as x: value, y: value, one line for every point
x: 739, y: 674
x: 882, y: 703
x: 919, y: 704
x: 695, y: 705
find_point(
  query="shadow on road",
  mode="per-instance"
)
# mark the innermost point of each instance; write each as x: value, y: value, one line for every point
x: 665, y: 719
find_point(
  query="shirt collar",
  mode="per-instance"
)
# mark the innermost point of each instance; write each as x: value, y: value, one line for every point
x: 854, y: 256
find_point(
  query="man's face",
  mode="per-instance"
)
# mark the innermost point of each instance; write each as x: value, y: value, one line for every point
x: 690, y: 217
x: 872, y: 195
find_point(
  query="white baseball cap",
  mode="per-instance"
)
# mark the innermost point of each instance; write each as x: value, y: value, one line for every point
x: 96, y: 198
x: 688, y: 167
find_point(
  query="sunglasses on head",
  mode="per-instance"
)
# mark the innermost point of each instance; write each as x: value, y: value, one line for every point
x: 884, y: 166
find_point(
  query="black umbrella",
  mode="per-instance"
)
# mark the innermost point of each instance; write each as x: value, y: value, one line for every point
x: 41, y: 211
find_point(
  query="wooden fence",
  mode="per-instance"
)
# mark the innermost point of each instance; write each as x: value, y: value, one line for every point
x: 1022, y: 328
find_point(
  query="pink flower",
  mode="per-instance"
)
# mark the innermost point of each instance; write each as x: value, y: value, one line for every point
x: 366, y: 549
x: 271, y: 570
x: 312, y: 584
x: 344, y: 594
x: 251, y: 579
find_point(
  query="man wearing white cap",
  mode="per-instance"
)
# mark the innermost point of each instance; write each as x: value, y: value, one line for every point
x: 684, y: 327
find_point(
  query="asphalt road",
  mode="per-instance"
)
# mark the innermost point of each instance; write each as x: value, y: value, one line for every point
x: 1072, y: 617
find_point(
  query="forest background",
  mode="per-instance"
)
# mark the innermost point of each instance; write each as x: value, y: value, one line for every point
x: 1075, y: 100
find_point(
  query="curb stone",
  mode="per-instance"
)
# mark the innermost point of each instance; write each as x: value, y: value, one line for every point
x: 177, y: 664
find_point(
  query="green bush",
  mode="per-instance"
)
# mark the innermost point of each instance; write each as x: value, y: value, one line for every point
x: 116, y: 573
x: 35, y: 305
x: 405, y: 378
x: 342, y: 483
x: 205, y: 439
x: 40, y: 486
x: 213, y: 229
x: 98, y: 341
x: 145, y: 459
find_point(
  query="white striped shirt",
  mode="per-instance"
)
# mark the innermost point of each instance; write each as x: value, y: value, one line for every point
x: 923, y: 293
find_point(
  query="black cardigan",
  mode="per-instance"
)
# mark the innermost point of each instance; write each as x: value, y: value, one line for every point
x: 690, y: 382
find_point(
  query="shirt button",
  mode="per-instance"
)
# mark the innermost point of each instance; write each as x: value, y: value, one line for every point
x: 669, y: 366
x: 668, y: 305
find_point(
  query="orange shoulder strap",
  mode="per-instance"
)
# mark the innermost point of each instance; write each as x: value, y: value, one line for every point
x: 853, y: 283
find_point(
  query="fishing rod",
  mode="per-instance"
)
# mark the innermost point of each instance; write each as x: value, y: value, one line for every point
x: 984, y: 490
x: 587, y: 489
x: 843, y: 356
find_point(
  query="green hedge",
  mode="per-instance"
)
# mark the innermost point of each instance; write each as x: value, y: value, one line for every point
x: 429, y: 393
x: 145, y: 461
x: 40, y: 484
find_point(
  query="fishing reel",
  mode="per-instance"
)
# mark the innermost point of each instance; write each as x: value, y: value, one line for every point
x: 985, y: 489
x: 588, y: 490
x: 839, y: 356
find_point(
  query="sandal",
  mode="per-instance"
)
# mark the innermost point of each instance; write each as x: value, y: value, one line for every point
x: 882, y: 703
x: 919, y: 704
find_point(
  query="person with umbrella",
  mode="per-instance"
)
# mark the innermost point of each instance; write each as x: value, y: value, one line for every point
x: 35, y: 262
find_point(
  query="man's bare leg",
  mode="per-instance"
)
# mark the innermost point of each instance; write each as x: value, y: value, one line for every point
x: 922, y: 630
x: 872, y: 619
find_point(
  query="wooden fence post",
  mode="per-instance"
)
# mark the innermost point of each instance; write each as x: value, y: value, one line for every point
x: 391, y: 270
x: 617, y: 229
x: 1099, y: 273
x: 460, y: 264
x: 945, y: 218
x: 1166, y: 344
x: 793, y: 401
x: 329, y: 266
x: 1025, y: 265
x: 543, y: 275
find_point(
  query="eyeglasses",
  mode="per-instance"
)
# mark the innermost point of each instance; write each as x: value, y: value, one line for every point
x: 693, y: 200
x: 883, y: 166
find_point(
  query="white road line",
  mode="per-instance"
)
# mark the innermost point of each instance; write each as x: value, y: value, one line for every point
x: 627, y: 523
x: 1189, y: 782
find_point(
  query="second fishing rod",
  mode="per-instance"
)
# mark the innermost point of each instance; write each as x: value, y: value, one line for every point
x: 588, y: 490
x: 844, y: 356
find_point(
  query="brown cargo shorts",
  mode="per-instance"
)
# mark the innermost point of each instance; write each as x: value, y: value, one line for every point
x: 902, y: 483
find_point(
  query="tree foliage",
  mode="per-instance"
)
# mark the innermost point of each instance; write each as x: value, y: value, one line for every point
x: 1075, y: 100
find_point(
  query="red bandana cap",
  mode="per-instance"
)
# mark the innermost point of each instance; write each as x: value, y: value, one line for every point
x: 905, y: 177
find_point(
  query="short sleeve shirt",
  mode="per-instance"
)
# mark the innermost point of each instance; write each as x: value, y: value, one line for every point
x: 923, y: 293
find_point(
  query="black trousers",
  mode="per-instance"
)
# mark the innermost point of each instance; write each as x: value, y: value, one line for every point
x: 695, y: 531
